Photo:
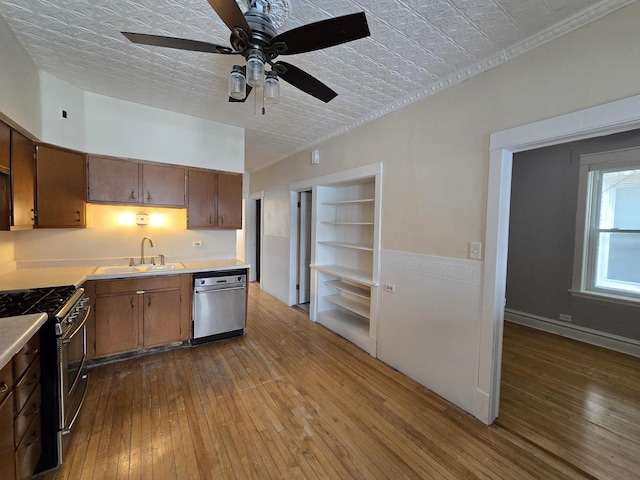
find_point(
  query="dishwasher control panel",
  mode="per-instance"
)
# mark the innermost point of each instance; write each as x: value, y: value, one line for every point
x: 226, y: 280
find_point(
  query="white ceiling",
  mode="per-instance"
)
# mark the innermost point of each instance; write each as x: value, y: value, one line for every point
x: 416, y: 47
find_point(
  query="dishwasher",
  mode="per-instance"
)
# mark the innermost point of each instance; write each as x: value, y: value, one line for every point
x: 219, y: 305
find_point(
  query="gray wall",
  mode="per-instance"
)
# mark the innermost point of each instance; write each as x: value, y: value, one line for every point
x: 542, y: 238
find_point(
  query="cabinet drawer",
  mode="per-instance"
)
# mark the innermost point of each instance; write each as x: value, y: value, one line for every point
x: 6, y: 381
x: 26, y: 385
x: 30, y: 410
x: 26, y: 356
x: 6, y: 424
x: 29, y: 450
x: 107, y: 287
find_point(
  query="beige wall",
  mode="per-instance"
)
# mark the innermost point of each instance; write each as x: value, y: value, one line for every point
x: 106, y: 237
x: 435, y: 151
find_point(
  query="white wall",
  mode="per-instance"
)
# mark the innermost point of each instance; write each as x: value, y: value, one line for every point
x: 19, y: 83
x: 126, y: 129
x: 436, y: 158
x: 58, y: 95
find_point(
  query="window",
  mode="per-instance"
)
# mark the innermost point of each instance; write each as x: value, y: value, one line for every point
x: 607, y: 260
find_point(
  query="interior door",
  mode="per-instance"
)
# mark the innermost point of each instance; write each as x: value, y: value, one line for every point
x: 304, y: 247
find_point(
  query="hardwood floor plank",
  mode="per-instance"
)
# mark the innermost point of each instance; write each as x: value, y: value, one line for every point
x: 292, y: 400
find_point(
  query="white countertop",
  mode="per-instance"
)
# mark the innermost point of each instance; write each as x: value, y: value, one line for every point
x: 23, y: 278
x: 15, y: 332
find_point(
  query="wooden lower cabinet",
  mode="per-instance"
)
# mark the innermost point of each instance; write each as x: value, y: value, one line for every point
x: 20, y: 401
x: 131, y: 314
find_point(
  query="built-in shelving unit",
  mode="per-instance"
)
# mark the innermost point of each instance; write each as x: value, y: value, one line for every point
x: 345, y: 256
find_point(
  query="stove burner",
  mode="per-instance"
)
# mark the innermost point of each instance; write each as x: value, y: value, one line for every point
x: 36, y: 300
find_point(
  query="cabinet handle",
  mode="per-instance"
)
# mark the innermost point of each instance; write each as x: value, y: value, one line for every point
x: 33, y: 215
x: 132, y: 195
x: 149, y: 301
x: 34, y: 409
x: 210, y: 222
x: 148, y: 195
x: 34, y: 379
x: 131, y: 302
x: 221, y: 219
x: 34, y: 438
x: 78, y: 215
x: 34, y: 350
x: 3, y: 387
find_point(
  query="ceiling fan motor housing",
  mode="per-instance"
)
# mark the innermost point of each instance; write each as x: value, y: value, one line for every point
x: 262, y: 31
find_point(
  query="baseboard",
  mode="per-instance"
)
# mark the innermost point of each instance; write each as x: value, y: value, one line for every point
x: 582, y: 334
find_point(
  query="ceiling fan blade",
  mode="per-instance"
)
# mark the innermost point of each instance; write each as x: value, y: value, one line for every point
x: 178, y: 43
x: 325, y: 33
x: 230, y: 13
x: 249, y: 88
x: 305, y: 82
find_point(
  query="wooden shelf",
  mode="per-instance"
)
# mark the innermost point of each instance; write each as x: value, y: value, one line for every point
x: 346, y: 273
x: 348, y: 326
x: 354, y: 246
x: 350, y: 202
x: 359, y: 308
x: 351, y: 288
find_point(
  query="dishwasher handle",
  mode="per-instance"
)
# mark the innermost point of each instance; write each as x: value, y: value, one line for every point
x: 219, y: 288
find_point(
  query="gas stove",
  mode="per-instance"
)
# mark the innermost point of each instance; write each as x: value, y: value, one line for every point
x: 34, y: 300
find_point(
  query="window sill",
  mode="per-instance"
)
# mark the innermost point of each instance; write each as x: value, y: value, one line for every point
x: 606, y: 297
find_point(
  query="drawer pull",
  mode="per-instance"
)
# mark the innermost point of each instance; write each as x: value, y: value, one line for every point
x: 4, y: 387
x: 34, y: 350
x: 34, y: 409
x: 34, y: 438
x: 35, y: 378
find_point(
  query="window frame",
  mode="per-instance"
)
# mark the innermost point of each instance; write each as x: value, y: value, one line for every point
x: 586, y: 241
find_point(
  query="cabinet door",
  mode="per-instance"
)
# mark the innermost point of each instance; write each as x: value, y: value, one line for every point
x: 112, y: 180
x: 22, y: 181
x: 117, y: 324
x: 163, y: 185
x: 229, y: 201
x: 6, y: 439
x: 201, y: 202
x: 5, y: 147
x: 60, y: 182
x: 161, y: 317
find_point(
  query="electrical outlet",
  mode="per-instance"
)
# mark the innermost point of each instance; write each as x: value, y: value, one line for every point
x: 389, y: 288
x: 564, y: 317
x: 197, y: 244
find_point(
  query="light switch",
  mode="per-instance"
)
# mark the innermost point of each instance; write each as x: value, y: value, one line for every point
x: 475, y: 250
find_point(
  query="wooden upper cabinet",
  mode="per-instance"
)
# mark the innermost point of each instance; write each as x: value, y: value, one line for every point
x: 22, y: 182
x: 61, y: 184
x: 112, y: 180
x: 163, y: 185
x: 5, y: 148
x: 201, y: 202
x: 229, y: 201
x: 214, y: 199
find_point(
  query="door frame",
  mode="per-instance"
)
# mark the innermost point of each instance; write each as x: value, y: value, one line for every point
x: 614, y: 117
x: 253, y: 237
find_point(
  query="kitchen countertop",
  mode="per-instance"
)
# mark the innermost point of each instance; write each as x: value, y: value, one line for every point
x: 15, y: 332
x: 23, y: 278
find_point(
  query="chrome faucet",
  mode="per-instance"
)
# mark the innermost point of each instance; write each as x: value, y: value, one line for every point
x: 142, y: 262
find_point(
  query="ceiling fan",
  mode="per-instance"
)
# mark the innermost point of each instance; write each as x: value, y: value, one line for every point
x: 255, y: 38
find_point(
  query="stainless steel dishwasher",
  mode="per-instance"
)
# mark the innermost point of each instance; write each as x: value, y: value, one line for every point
x: 219, y: 305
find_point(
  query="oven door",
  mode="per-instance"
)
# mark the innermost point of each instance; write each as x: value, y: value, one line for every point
x: 72, y: 351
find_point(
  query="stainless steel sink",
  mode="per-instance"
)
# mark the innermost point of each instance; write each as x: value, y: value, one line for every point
x: 111, y: 269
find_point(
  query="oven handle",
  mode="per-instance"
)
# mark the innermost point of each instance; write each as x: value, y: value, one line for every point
x: 67, y: 338
x: 67, y: 431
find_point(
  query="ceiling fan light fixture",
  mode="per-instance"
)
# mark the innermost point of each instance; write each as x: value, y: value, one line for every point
x: 271, y: 88
x: 237, y: 83
x: 255, y: 69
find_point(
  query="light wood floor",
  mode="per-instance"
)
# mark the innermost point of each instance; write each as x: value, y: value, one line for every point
x: 289, y: 400
x: 577, y: 401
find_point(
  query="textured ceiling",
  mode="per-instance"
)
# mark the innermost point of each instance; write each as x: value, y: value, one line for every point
x: 416, y: 47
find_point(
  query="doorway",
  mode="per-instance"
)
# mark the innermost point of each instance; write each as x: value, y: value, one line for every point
x: 254, y: 236
x: 303, y: 279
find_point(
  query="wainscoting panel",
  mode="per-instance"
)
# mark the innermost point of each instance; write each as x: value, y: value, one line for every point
x: 429, y: 329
